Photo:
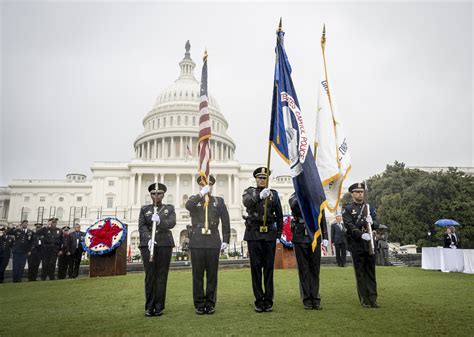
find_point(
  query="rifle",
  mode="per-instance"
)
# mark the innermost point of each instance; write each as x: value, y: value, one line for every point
x: 369, y: 224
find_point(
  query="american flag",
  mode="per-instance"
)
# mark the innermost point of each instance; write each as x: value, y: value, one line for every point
x: 204, y: 149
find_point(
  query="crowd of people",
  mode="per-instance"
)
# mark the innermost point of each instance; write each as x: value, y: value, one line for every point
x: 46, y: 246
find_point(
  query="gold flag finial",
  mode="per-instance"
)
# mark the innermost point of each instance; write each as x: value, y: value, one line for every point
x: 204, y: 58
x: 280, y: 29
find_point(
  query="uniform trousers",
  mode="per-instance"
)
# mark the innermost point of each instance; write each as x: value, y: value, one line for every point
x: 204, y: 261
x: 4, y: 259
x: 34, y: 261
x: 364, y: 267
x: 19, y: 261
x: 48, y: 262
x: 262, y: 259
x: 64, y: 261
x: 156, y: 276
x: 340, y: 253
x: 74, y: 264
x: 309, y: 264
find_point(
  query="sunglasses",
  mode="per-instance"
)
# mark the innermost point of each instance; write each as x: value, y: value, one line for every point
x: 156, y: 193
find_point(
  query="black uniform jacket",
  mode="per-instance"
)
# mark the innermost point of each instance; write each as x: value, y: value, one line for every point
x: 6, y: 243
x: 298, y: 228
x: 216, y: 210
x: 23, y: 240
x: 355, y: 224
x: 163, y: 235
x: 255, y: 212
x: 74, y: 242
x: 51, y: 236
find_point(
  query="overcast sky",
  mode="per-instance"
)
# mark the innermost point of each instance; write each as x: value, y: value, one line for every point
x: 78, y: 78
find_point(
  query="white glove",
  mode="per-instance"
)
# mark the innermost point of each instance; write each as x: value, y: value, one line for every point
x: 368, y: 218
x: 265, y: 193
x: 205, y: 190
x: 325, y: 243
x: 150, y: 246
x: 156, y: 217
x: 224, y: 246
x: 366, y: 236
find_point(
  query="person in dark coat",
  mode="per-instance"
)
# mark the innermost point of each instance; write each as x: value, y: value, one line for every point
x: 308, y: 262
x: 64, y: 257
x: 75, y: 250
x: 6, y: 243
x: 205, y: 243
x: 356, y: 220
x: 261, y: 236
x: 156, y: 271
x: 450, y: 240
x: 34, y: 259
x: 338, y: 238
x: 21, y: 248
x: 52, y: 244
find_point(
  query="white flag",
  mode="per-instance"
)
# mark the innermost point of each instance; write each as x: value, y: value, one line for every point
x: 331, y: 148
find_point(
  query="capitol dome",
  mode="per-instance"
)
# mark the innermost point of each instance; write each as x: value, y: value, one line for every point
x: 171, y: 128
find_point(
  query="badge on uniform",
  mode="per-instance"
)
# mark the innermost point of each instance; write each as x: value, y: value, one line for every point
x: 166, y: 212
x: 148, y: 213
x: 205, y: 231
x: 263, y: 229
x: 354, y: 212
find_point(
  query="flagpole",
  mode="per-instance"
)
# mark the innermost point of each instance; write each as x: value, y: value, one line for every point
x: 323, y: 47
x: 269, y: 153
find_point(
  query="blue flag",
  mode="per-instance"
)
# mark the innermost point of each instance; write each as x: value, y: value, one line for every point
x: 289, y: 138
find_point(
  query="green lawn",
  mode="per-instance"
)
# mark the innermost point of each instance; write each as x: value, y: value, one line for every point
x: 414, y: 302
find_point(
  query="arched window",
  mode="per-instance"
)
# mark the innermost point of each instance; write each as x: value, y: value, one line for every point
x: 60, y: 213
x: 194, y: 120
x: 233, y: 235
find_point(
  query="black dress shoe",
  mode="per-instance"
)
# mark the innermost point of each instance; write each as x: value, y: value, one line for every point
x: 199, y: 311
x: 365, y: 305
x: 210, y: 310
x: 149, y: 313
x: 268, y: 308
x: 158, y: 312
x: 317, y: 307
x: 308, y: 307
x: 258, y: 308
x: 374, y: 305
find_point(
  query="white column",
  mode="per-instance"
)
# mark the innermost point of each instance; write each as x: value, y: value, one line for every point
x: 148, y: 150
x: 229, y: 187
x: 178, y: 203
x: 221, y: 152
x: 236, y: 190
x: 131, y: 189
x: 162, y: 178
x: 163, y: 148
x: 155, y: 152
x: 173, y: 149
x: 156, y: 178
x: 139, y: 193
x: 193, y: 183
x: 180, y: 147
x: 191, y: 146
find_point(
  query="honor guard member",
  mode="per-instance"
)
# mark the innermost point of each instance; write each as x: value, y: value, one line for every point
x: 156, y: 271
x: 356, y: 221
x: 21, y: 248
x: 52, y: 244
x: 34, y: 259
x: 6, y: 243
x: 261, y: 237
x: 308, y: 262
x: 75, y: 250
x: 63, y: 256
x: 205, y: 243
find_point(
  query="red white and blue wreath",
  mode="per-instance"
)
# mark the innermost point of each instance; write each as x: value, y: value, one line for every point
x: 104, y: 236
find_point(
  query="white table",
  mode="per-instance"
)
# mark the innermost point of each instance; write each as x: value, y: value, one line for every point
x: 448, y: 260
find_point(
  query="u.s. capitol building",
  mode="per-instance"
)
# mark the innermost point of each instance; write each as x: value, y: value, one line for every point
x: 166, y: 152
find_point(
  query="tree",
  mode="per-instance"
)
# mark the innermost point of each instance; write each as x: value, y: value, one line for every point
x: 409, y: 201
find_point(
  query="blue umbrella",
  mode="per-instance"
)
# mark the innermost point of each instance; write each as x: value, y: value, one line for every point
x: 446, y: 222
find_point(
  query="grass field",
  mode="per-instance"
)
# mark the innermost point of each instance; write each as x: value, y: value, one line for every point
x: 414, y: 302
